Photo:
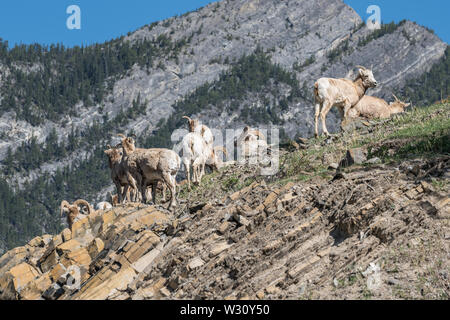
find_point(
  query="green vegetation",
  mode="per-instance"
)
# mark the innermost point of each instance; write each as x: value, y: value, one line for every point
x: 252, y: 74
x: 432, y: 86
x: 47, y: 82
x: 31, y: 155
x: 385, y: 29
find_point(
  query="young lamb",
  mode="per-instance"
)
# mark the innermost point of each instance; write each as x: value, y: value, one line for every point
x: 341, y: 93
x: 149, y: 166
x: 375, y: 108
x: 73, y: 211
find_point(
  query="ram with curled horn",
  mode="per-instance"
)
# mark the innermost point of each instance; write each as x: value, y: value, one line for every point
x: 73, y: 211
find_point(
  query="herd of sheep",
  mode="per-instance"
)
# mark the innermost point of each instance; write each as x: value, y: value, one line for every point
x: 134, y: 170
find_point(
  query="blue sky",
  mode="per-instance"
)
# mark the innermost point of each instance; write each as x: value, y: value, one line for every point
x: 44, y: 21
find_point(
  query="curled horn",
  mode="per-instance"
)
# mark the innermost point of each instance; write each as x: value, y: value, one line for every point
x: 187, y: 118
x: 223, y: 149
x: 121, y: 136
x: 258, y: 134
x: 361, y: 67
x: 85, y: 203
x: 395, y: 97
x: 133, y: 135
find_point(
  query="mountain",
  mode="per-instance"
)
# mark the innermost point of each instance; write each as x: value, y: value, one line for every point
x: 376, y: 229
x: 230, y: 63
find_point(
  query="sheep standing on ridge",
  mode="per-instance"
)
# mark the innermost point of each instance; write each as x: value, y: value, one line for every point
x: 195, y: 154
x: 201, y: 129
x: 120, y: 175
x: 342, y: 93
x: 375, y: 108
x: 149, y: 166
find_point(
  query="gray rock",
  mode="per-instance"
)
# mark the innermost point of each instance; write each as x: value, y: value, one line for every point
x: 374, y: 161
x: 354, y: 156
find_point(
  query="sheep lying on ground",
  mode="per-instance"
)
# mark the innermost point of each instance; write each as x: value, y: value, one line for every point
x: 375, y: 108
x: 150, y: 166
x: 73, y: 210
x: 341, y: 93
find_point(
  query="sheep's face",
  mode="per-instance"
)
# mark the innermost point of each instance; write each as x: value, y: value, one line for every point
x: 398, y: 106
x: 114, y: 155
x: 129, y: 144
x: 368, y: 78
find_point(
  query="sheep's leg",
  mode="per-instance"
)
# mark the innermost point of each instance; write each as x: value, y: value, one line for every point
x: 188, y: 174
x: 170, y: 181
x: 323, y: 116
x: 344, y: 113
x: 316, y: 120
x: 149, y: 194
x: 124, y: 197
x: 119, y: 191
x: 197, y: 169
x: 154, y: 187
x: 164, y: 188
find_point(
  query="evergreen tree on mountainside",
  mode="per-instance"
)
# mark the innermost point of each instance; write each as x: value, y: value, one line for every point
x: 58, y: 78
x: 432, y: 86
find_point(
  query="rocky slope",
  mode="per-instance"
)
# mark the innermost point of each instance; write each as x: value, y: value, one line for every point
x: 376, y: 228
x: 308, y: 39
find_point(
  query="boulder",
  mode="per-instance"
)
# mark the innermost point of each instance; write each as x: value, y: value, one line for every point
x: 16, y: 279
x: 354, y: 156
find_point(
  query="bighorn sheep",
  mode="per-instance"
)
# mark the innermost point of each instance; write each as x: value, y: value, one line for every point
x: 251, y: 143
x: 375, y: 108
x: 204, y: 131
x: 120, y: 175
x: 195, y: 154
x: 149, y: 166
x: 73, y: 211
x: 216, y: 162
x: 341, y: 93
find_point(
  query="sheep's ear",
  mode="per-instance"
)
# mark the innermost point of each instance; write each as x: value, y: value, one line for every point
x: 246, y: 128
x: 407, y: 105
